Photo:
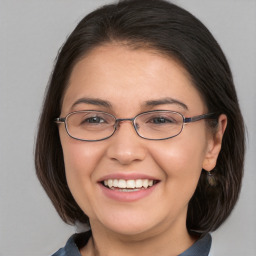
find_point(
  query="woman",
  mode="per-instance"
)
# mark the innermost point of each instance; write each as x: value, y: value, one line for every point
x: 141, y: 135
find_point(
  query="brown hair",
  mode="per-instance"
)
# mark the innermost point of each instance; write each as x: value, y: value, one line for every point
x: 173, y: 31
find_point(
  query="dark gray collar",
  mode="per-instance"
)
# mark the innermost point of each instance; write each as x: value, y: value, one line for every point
x: 200, y: 248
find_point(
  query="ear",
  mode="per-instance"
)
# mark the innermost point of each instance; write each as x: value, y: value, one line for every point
x: 214, y: 144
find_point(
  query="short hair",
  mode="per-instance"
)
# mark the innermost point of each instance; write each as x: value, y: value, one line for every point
x: 174, y: 32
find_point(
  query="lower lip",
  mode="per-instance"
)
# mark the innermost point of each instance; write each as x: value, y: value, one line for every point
x: 127, y: 196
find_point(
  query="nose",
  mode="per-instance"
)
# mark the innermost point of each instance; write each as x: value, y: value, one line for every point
x: 125, y: 145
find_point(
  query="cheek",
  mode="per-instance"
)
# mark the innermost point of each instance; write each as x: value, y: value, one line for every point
x: 80, y: 160
x: 181, y: 159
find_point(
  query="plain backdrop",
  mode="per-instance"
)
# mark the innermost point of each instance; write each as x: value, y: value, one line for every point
x: 31, y: 33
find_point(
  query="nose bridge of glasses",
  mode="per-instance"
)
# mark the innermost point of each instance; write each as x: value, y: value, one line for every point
x: 121, y: 120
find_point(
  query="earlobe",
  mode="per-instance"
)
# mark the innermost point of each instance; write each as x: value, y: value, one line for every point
x: 214, y: 144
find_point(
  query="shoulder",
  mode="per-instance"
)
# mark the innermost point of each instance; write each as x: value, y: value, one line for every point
x: 74, y: 243
x: 212, y: 253
x: 201, y: 247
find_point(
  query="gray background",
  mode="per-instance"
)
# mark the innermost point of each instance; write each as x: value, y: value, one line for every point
x: 31, y: 33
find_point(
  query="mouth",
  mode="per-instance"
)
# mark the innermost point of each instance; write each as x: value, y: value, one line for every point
x: 123, y: 185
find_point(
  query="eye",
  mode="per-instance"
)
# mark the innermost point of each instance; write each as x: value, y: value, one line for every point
x: 93, y: 120
x: 162, y: 120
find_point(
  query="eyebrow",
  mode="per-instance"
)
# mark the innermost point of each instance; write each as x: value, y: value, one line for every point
x: 93, y: 101
x: 164, y: 101
x: 107, y: 104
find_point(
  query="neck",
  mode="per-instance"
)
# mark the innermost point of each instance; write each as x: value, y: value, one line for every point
x: 164, y: 242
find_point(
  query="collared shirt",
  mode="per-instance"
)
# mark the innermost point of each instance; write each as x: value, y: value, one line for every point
x: 200, y: 248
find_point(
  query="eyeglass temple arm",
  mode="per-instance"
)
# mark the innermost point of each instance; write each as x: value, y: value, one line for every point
x: 59, y: 120
x: 200, y: 117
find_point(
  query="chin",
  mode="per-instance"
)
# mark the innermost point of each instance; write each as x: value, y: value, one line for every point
x: 127, y: 223
x: 136, y: 229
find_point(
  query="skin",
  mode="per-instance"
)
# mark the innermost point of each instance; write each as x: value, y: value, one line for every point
x: 127, y: 78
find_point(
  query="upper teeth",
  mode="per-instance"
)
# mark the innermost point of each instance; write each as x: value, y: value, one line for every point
x: 120, y: 183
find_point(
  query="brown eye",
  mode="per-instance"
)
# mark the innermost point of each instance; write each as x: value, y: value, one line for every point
x: 162, y: 120
x: 93, y: 120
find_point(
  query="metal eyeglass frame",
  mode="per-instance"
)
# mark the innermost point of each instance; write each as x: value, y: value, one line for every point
x: 186, y: 120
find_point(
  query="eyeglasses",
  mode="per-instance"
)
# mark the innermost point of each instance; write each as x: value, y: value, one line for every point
x: 152, y: 125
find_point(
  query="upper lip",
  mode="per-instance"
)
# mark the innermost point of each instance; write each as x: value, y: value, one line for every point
x: 127, y: 176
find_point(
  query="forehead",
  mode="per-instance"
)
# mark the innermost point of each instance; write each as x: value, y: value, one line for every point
x: 122, y: 76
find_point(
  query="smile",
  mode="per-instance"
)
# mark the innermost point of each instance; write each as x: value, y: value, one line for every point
x: 128, y: 189
x: 128, y: 185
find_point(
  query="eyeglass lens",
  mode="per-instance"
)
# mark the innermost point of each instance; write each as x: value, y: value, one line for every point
x: 93, y: 125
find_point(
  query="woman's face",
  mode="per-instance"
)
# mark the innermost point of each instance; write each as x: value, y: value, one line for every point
x: 125, y: 82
